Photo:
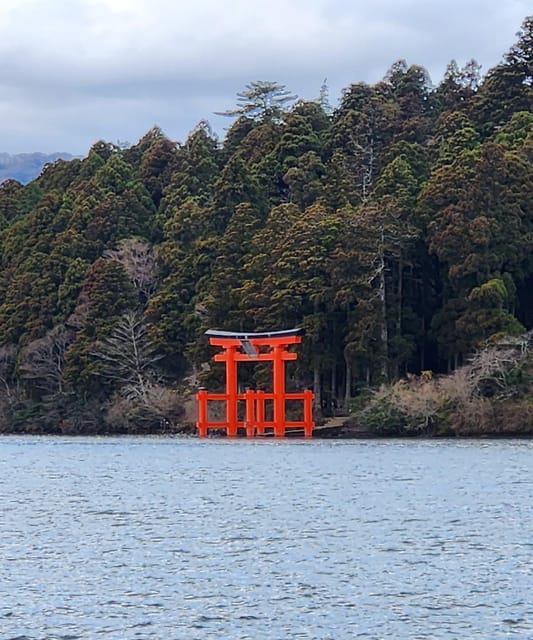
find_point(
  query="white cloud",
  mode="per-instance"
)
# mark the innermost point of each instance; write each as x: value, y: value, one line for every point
x: 73, y: 71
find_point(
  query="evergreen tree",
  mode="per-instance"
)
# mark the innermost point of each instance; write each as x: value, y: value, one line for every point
x: 508, y: 87
x: 261, y: 100
x: 396, y: 231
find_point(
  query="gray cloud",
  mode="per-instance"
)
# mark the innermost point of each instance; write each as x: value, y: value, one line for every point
x: 74, y: 71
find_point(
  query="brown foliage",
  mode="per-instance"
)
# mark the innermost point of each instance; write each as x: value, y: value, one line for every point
x: 159, y: 409
x: 481, y: 398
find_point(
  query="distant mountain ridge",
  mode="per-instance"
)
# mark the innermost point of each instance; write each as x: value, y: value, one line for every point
x: 27, y: 166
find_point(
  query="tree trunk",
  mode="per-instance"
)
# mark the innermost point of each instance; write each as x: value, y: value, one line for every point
x: 400, y: 294
x: 383, y: 303
x: 399, y: 311
x: 347, y: 387
x: 334, y: 384
x: 423, y: 347
x: 317, y: 403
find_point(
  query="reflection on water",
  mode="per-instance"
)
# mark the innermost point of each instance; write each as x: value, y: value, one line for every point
x: 167, y: 539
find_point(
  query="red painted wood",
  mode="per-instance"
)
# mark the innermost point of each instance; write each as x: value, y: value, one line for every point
x: 271, y: 347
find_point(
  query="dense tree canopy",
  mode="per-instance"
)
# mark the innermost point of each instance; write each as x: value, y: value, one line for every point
x: 396, y: 229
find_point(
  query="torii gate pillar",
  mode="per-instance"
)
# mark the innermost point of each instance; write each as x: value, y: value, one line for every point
x: 253, y: 347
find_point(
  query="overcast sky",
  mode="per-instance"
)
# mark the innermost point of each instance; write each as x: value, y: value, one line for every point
x: 75, y: 71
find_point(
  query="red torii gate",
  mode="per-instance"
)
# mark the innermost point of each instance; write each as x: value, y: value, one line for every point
x: 254, y: 347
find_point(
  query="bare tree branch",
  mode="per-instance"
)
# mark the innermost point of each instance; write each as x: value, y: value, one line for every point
x: 128, y: 355
x: 8, y: 357
x: 139, y: 260
x: 43, y: 361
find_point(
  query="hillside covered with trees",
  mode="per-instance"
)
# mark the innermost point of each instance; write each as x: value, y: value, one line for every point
x: 396, y: 229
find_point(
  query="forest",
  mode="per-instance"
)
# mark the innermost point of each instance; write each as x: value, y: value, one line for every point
x: 396, y: 229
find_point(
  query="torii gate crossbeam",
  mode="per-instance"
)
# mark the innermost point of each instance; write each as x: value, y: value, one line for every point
x: 255, y: 347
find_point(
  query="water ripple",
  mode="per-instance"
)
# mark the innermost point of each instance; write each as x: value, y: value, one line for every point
x: 144, y: 538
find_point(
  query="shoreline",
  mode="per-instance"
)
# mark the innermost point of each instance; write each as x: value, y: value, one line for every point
x: 349, y: 434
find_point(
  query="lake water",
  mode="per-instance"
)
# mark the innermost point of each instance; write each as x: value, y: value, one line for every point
x: 134, y: 538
